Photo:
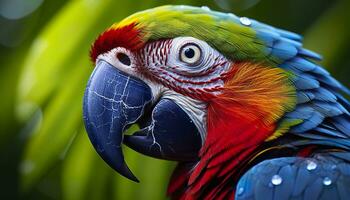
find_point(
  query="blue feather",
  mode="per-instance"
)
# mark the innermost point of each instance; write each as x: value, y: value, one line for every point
x: 256, y: 25
x: 343, y: 101
x: 320, y: 70
x: 299, y: 181
x: 266, y: 36
x: 309, y: 123
x: 343, y: 109
x: 310, y: 54
x: 328, y: 109
x: 330, y: 132
x: 285, y: 190
x: 345, y: 89
x: 301, y: 112
x: 298, y: 64
x: 304, y: 96
x: 320, y: 104
x: 324, y: 95
x: 328, y: 80
x: 342, y: 123
x: 305, y: 81
x: 289, y: 35
x: 319, y: 140
x: 283, y: 50
x: 303, y: 64
x: 292, y: 42
x: 303, y: 178
x: 344, y: 156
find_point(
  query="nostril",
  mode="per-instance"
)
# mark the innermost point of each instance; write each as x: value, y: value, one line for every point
x: 123, y: 58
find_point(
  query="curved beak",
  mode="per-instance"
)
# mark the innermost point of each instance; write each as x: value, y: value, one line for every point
x: 114, y: 100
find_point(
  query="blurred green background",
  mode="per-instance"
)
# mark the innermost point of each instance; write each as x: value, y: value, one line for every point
x: 44, y: 66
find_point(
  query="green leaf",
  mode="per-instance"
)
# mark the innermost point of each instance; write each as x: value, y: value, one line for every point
x: 60, y: 121
x: 84, y: 175
x: 153, y: 174
x: 53, y: 51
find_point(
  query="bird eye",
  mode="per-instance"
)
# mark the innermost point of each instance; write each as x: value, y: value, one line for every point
x: 190, y: 54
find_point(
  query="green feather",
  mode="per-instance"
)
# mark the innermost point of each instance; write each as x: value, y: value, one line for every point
x: 220, y: 30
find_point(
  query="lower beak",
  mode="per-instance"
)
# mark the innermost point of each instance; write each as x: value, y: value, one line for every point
x: 114, y: 100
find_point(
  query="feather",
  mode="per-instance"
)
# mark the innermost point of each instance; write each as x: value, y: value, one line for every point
x: 329, y: 132
x: 284, y: 190
x: 342, y: 123
x: 344, y: 168
x: 298, y: 65
x: 245, y: 188
x: 343, y: 189
x: 262, y: 192
x: 303, y: 178
x: 330, y: 81
x: 304, y: 96
x: 320, y: 70
x: 301, y: 112
x: 305, y: 81
x: 310, y: 123
x: 314, y: 190
x: 343, y: 101
x: 310, y: 54
x: 323, y: 94
x: 328, y: 109
x: 315, y: 177
x: 289, y: 35
x: 295, y: 43
x: 267, y: 36
x: 344, y: 156
x: 283, y: 50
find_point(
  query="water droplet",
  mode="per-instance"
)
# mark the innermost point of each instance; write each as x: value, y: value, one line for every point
x: 245, y: 21
x: 206, y: 8
x: 327, y: 181
x: 333, y: 167
x: 276, y: 180
x: 311, y: 165
x: 240, y: 191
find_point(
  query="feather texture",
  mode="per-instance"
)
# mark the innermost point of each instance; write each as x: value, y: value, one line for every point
x: 321, y: 176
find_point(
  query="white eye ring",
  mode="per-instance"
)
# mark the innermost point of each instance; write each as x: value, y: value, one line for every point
x: 190, y: 54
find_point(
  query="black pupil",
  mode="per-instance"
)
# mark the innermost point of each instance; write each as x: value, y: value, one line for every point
x: 189, y: 53
x: 123, y: 58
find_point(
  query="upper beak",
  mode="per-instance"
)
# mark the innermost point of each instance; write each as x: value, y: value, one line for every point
x: 114, y: 100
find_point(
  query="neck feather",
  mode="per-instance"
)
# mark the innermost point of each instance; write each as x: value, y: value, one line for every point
x: 239, y: 119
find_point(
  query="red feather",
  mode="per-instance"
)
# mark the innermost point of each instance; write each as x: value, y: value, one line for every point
x: 220, y: 163
x: 239, y: 120
x: 178, y: 180
x: 127, y: 36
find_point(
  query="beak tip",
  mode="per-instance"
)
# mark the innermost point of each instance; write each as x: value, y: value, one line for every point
x: 126, y: 172
x: 115, y: 159
x: 131, y: 177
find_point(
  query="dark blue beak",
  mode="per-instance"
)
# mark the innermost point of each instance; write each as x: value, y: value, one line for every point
x: 114, y: 100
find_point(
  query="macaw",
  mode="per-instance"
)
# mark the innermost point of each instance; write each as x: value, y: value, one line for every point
x: 243, y: 108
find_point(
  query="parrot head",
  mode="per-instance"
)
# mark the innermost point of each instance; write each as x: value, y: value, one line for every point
x: 204, y: 87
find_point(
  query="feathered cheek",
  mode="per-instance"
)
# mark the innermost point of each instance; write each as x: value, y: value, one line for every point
x: 259, y: 92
